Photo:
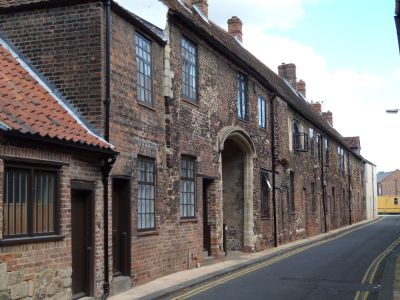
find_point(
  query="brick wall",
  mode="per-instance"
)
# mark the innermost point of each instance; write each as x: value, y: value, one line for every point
x: 390, y: 186
x: 65, y: 44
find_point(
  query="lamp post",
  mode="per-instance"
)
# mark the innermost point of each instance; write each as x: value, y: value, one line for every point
x: 392, y: 111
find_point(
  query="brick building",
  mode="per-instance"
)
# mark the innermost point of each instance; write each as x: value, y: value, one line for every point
x: 217, y: 153
x: 51, y: 208
x: 389, y: 183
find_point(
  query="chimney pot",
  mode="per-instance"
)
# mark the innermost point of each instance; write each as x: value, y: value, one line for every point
x: 288, y: 71
x: 235, y: 28
x: 316, y: 107
x: 203, y: 5
x: 328, y: 117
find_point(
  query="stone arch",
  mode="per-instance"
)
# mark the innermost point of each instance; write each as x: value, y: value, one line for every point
x: 234, y: 135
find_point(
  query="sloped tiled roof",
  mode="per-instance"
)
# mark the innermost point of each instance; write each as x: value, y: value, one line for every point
x: 382, y: 175
x: 28, y: 107
x: 13, y: 3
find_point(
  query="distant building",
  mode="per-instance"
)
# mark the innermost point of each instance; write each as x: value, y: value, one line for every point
x: 388, y: 184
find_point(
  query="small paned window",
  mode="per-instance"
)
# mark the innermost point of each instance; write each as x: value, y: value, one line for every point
x: 265, y: 195
x: 187, y: 199
x: 319, y: 146
x: 341, y: 160
x: 30, y: 201
x: 146, y: 193
x: 396, y: 201
x: 300, y: 139
x: 143, y: 71
x: 189, y: 70
x: 312, y: 142
x: 242, y: 96
x: 326, y: 148
x: 262, y: 112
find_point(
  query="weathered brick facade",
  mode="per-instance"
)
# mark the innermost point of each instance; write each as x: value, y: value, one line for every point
x: 65, y: 42
x: 390, y: 185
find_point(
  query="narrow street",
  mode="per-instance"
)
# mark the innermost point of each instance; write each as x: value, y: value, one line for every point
x: 346, y: 267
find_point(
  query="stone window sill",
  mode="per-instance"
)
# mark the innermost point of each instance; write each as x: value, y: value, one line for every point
x: 147, y: 233
x: 191, y: 101
x: 188, y: 220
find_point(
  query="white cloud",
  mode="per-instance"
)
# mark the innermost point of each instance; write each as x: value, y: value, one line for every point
x: 263, y: 13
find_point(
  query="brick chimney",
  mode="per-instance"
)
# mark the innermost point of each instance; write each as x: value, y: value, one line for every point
x: 235, y: 28
x: 203, y: 5
x: 301, y: 87
x: 328, y: 117
x: 288, y: 71
x: 316, y: 107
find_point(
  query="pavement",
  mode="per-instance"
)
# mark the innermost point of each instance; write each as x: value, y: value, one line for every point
x: 176, y: 283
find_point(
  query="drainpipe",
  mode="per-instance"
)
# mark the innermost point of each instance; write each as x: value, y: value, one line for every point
x: 350, y: 196
x: 273, y: 148
x: 107, y: 4
x: 322, y: 143
x: 106, y: 164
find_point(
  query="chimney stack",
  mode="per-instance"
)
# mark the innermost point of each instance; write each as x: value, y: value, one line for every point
x: 203, y: 5
x: 328, y: 117
x: 316, y: 107
x: 235, y: 28
x: 288, y: 71
x: 301, y: 87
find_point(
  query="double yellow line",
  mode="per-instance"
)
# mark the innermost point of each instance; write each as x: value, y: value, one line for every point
x: 369, y: 275
x: 245, y: 271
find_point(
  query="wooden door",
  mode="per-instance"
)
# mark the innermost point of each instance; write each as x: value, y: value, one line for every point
x: 206, y: 226
x: 121, y: 227
x: 82, y: 243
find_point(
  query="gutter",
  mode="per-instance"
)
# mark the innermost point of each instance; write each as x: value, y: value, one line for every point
x: 36, y: 138
x: 273, y: 149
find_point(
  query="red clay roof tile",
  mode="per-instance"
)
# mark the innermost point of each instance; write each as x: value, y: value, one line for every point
x: 26, y: 106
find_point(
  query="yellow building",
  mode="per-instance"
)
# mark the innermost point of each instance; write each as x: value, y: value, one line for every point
x: 388, y: 205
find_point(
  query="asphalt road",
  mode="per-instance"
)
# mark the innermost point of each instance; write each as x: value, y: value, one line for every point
x: 332, y: 270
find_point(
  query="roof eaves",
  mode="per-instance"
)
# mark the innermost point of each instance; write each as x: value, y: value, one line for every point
x: 14, y: 134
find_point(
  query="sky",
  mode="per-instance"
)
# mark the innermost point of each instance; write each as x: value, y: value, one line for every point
x: 345, y: 51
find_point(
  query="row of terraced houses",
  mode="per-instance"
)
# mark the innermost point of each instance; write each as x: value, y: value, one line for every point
x: 128, y: 151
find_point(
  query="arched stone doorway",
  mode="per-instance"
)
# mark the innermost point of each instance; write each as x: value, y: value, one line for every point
x: 237, y: 152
